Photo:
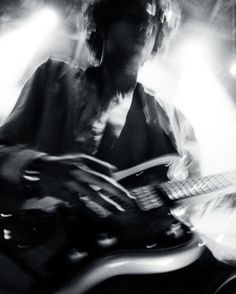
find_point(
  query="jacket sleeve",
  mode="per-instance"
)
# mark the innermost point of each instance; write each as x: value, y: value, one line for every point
x: 179, y: 129
x: 18, y: 132
x: 187, y: 144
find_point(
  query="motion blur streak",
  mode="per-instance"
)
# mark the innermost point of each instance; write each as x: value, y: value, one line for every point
x: 215, y: 221
x: 17, y: 49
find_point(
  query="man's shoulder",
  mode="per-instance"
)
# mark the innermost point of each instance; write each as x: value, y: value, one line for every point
x: 169, y: 115
x: 60, y: 68
x: 161, y: 103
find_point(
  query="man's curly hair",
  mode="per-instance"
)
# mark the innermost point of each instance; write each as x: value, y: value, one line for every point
x: 102, y: 13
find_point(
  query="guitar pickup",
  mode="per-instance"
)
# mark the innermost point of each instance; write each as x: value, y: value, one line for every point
x: 147, y: 198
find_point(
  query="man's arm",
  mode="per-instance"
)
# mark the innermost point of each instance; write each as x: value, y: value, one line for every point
x: 180, y: 131
x: 18, y: 133
x: 65, y: 176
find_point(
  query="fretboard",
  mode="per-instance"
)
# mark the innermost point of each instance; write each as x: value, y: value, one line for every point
x: 192, y: 190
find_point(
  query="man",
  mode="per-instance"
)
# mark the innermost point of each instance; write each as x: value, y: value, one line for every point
x: 71, y: 129
x: 64, y: 111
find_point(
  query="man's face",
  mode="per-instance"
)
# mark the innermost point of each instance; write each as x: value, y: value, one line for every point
x: 132, y: 36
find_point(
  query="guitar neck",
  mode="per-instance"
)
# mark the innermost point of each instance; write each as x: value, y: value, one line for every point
x: 195, y: 187
x: 190, y: 191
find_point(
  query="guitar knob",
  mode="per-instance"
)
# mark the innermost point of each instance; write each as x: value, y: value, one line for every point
x: 7, y: 234
x: 106, y: 240
x: 175, y: 230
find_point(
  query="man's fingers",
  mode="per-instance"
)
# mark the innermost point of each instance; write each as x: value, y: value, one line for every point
x: 111, y: 202
x: 98, y: 165
x: 95, y: 201
x: 79, y: 177
x: 92, y: 162
x: 105, y: 183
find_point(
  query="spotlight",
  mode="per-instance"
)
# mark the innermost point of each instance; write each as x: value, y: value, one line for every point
x: 205, y: 101
x: 194, y: 49
x: 17, y: 49
x: 46, y: 19
x: 233, y: 69
x: 169, y: 15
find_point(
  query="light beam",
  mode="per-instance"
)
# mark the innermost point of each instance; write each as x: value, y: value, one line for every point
x: 206, y: 103
x: 17, y: 48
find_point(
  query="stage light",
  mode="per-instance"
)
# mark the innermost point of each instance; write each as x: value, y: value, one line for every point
x: 196, y: 91
x: 206, y: 103
x: 193, y: 50
x: 17, y: 48
x: 169, y: 15
x: 159, y: 74
x: 45, y: 20
x: 233, y: 69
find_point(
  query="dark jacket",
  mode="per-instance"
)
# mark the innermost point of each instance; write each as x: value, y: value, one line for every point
x: 59, y: 112
x: 56, y: 114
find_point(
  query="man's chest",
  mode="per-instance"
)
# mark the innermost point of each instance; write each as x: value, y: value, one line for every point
x: 125, y: 141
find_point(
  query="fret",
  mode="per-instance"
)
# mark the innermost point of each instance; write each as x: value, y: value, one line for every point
x: 195, y: 186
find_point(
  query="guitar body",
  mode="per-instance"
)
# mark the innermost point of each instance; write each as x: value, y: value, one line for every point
x: 39, y: 238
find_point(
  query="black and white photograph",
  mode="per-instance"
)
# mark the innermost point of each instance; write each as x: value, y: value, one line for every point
x: 117, y: 147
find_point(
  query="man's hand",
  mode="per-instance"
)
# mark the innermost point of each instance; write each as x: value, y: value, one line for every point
x: 68, y: 177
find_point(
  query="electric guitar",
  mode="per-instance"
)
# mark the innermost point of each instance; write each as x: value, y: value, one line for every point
x: 148, y: 237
